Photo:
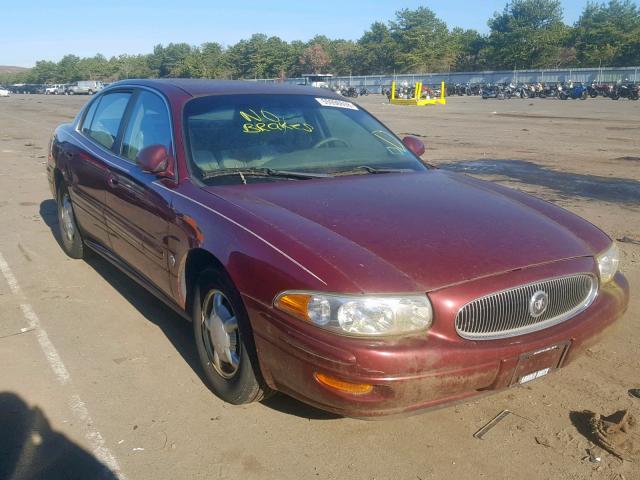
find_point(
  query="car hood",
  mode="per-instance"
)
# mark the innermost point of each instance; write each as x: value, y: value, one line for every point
x: 412, y: 231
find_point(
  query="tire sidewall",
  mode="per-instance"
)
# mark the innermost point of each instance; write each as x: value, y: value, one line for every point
x: 244, y: 386
x: 73, y: 248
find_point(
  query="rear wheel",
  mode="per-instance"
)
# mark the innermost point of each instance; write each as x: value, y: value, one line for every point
x: 70, y: 236
x: 224, y: 340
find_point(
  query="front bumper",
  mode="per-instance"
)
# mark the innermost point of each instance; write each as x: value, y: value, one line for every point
x: 429, y: 370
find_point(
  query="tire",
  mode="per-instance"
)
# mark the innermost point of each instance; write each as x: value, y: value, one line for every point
x: 235, y: 376
x: 90, y: 92
x: 563, y: 96
x: 70, y: 235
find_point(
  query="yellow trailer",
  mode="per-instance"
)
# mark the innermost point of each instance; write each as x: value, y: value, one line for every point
x: 417, y: 96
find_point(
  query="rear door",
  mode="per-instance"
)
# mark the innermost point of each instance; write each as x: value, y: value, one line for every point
x: 138, y: 211
x: 87, y: 157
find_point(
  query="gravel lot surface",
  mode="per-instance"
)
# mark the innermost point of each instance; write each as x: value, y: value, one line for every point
x: 126, y: 386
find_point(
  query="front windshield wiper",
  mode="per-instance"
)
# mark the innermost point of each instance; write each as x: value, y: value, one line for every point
x: 364, y: 169
x: 261, y: 172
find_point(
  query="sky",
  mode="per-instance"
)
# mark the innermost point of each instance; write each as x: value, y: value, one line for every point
x: 46, y: 30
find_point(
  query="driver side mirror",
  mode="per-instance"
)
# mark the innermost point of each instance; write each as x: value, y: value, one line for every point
x: 153, y: 159
x: 414, y: 144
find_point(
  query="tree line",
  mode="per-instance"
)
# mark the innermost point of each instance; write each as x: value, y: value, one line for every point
x: 527, y: 34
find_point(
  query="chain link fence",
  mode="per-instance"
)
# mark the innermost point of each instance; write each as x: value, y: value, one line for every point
x: 376, y: 83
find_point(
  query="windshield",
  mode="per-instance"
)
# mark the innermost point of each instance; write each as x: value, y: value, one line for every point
x: 288, y: 132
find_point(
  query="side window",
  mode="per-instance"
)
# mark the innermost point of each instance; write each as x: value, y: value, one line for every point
x: 106, y: 120
x: 86, y: 123
x: 148, y: 125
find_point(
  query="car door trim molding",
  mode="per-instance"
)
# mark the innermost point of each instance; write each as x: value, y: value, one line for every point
x: 249, y: 231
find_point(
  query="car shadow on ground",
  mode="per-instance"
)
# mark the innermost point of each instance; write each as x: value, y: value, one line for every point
x: 566, y: 184
x: 176, y: 328
x: 31, y: 449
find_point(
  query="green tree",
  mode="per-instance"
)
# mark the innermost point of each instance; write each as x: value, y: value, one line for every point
x: 44, y: 72
x: 378, y: 51
x: 343, y: 57
x: 423, y: 41
x: 131, y: 66
x: 95, y: 68
x: 527, y: 34
x: 164, y: 60
x: 68, y: 69
x: 214, y: 60
x: 608, y: 34
x: 468, y: 49
x: 258, y: 57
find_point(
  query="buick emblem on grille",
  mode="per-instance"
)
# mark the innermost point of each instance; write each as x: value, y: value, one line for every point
x: 538, y: 303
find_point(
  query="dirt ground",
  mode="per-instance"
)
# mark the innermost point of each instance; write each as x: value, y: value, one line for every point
x: 133, y: 393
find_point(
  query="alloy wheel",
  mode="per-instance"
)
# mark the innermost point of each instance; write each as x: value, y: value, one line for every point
x: 220, y: 334
x: 66, y: 214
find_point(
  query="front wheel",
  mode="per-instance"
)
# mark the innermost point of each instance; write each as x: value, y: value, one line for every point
x: 70, y: 236
x: 224, y: 340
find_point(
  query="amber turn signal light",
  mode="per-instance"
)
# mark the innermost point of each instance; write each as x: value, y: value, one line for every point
x: 341, y: 385
x: 295, y: 304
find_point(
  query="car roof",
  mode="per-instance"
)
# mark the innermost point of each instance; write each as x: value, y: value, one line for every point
x: 201, y: 87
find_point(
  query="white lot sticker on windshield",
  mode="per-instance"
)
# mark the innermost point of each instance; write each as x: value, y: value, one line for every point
x: 330, y: 102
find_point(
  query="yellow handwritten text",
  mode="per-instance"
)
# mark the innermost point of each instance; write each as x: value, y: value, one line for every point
x: 392, y: 144
x: 266, y: 121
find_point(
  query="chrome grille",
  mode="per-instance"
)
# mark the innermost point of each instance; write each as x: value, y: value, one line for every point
x: 507, y: 313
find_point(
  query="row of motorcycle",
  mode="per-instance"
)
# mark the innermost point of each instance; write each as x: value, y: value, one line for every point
x: 351, y: 92
x: 563, y: 90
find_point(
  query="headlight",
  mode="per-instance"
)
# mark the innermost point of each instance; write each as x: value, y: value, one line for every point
x: 359, y: 315
x: 608, y: 263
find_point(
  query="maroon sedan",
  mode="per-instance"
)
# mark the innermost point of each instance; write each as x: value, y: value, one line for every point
x: 316, y: 254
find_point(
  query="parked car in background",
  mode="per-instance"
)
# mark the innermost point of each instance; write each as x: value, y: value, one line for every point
x: 27, y: 88
x: 4, y: 92
x: 85, y: 87
x: 329, y: 263
x: 56, y: 89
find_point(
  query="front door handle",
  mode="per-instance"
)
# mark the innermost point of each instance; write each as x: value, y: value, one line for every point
x: 112, y: 181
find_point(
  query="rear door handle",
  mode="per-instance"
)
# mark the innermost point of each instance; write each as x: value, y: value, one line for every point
x: 68, y: 154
